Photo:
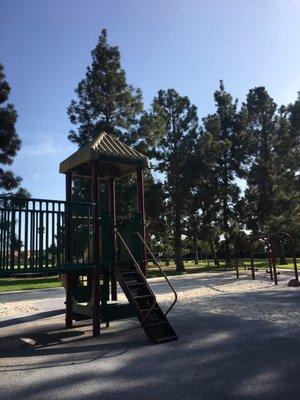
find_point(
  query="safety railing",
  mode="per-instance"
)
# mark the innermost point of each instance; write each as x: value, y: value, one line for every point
x: 38, y: 235
x: 161, y: 270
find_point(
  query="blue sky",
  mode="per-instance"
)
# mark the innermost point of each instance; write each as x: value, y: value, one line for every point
x: 183, y: 44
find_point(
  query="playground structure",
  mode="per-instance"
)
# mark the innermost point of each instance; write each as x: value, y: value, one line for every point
x: 270, y: 242
x: 88, y: 248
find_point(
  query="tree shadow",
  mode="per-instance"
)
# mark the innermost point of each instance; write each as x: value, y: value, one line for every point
x: 217, y: 356
x: 31, y: 318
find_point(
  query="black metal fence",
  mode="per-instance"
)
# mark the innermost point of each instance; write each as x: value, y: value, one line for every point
x: 38, y: 235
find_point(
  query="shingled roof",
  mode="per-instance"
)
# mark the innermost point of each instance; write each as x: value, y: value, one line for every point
x: 116, y: 159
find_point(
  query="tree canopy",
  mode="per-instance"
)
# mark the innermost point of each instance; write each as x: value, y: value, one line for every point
x: 10, y: 142
x: 104, y: 99
x: 216, y: 183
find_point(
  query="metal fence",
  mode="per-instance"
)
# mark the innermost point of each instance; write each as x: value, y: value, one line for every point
x: 38, y: 235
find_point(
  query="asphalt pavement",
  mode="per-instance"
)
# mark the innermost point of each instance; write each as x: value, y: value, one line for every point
x: 217, y: 356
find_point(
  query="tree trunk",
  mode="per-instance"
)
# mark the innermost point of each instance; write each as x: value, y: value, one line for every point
x: 196, y: 251
x: 225, y: 218
x: 282, y: 258
x: 178, y: 243
x: 216, y: 260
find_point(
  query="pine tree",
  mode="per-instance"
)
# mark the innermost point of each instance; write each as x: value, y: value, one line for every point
x: 285, y: 215
x: 176, y: 121
x: 192, y: 232
x: 203, y: 201
x: 158, y: 218
x: 293, y: 157
x: 105, y: 101
x: 264, y: 142
x: 10, y: 142
x: 226, y: 128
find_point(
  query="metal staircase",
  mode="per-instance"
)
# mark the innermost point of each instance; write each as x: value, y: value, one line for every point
x: 141, y: 297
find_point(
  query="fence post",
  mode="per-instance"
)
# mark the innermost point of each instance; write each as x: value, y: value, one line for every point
x: 68, y: 255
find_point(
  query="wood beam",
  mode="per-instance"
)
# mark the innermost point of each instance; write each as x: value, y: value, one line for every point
x: 141, y: 209
x: 96, y: 275
x: 68, y: 249
x: 111, y: 190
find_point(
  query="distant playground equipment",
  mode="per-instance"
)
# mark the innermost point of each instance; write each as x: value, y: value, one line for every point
x: 89, y: 248
x: 255, y: 242
x: 271, y: 241
x: 283, y: 237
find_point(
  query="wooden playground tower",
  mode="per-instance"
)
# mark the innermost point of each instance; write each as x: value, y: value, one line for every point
x: 85, y: 243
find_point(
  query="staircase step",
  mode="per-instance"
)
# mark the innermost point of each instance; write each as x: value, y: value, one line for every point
x: 145, y: 310
x: 136, y: 285
x: 158, y: 324
x: 143, y: 296
x: 166, y: 339
x: 157, y: 327
x: 124, y: 264
x: 126, y: 269
x: 130, y: 273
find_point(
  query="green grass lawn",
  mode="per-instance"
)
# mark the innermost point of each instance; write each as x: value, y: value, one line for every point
x: 12, y: 284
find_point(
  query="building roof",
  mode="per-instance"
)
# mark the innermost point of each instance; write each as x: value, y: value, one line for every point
x: 115, y: 158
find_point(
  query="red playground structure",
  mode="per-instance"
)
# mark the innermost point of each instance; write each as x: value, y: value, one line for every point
x: 85, y: 242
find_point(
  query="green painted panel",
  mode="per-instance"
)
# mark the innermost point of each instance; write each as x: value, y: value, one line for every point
x: 136, y: 244
x: 127, y: 228
x: 107, y: 232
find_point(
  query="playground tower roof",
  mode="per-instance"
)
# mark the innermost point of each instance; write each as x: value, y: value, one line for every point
x: 115, y: 158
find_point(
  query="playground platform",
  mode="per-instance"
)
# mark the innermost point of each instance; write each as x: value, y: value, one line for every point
x: 238, y: 340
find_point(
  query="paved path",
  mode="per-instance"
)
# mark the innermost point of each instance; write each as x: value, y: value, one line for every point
x: 39, y: 294
x: 237, y: 340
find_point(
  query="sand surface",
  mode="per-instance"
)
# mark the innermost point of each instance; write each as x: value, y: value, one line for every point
x: 223, y: 294
x: 211, y: 293
x: 16, y: 308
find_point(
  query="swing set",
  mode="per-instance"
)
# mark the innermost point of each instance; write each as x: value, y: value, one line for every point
x: 271, y: 242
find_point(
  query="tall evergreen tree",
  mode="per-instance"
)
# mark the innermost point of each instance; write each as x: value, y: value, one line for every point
x: 105, y: 101
x: 177, y: 124
x: 285, y: 214
x: 204, y: 201
x: 293, y: 168
x: 226, y: 127
x: 10, y: 142
x: 264, y: 140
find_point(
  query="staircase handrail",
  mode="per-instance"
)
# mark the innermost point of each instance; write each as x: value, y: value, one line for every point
x: 162, y: 271
x: 141, y: 273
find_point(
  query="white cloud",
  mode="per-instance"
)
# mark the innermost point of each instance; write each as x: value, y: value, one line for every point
x: 286, y: 8
x: 44, y: 145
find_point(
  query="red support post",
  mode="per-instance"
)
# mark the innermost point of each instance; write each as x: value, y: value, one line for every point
x: 68, y: 255
x: 294, y: 260
x: 96, y: 275
x: 141, y: 209
x: 111, y: 190
x: 271, y: 249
